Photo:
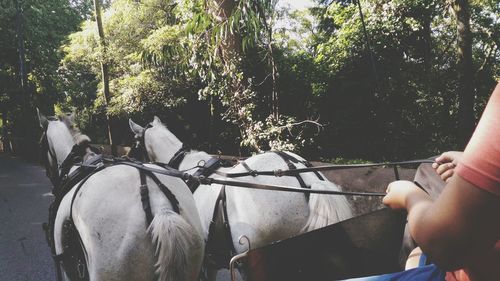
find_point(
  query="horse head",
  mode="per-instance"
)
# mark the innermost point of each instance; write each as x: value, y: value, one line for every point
x: 57, y: 141
x: 155, y: 142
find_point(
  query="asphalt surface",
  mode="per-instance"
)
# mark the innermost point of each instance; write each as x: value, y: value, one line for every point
x: 24, y: 202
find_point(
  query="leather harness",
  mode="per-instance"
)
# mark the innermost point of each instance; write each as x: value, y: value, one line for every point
x: 176, y: 160
x: 72, y: 259
x: 219, y: 247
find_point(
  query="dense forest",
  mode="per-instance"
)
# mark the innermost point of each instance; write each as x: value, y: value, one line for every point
x: 341, y: 80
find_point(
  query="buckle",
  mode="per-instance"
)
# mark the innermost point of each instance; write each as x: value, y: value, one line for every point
x: 278, y: 173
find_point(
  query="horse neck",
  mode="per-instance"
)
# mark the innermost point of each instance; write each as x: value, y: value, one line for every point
x: 60, y: 140
x: 164, y: 145
x: 193, y: 159
x: 161, y: 145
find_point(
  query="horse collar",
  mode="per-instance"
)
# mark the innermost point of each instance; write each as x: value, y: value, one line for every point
x: 176, y: 160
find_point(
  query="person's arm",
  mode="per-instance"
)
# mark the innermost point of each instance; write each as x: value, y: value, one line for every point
x: 459, y: 226
x: 463, y: 223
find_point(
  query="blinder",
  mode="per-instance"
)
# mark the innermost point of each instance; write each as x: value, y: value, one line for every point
x: 139, y: 151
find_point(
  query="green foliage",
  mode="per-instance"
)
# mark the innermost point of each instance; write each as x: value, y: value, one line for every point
x: 43, y: 27
x: 409, y: 109
x: 229, y: 37
x: 144, y: 40
x: 198, y: 62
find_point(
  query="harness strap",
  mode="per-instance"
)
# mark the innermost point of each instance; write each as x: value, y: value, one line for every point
x: 57, y: 262
x: 252, y: 172
x: 179, y: 156
x: 71, y: 179
x: 146, y: 206
x: 219, y: 251
x: 288, y: 160
x: 309, y: 165
x: 210, y: 166
x: 166, y: 191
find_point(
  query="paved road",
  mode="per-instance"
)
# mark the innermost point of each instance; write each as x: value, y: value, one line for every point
x: 24, y: 202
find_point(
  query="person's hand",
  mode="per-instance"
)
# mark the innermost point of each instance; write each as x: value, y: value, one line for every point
x: 398, y: 193
x: 446, y: 163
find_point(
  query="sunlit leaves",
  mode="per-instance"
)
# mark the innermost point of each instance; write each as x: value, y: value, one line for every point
x: 146, y: 51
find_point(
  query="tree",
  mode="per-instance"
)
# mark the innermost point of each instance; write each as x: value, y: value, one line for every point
x: 465, y: 72
x: 30, y: 34
x: 105, y: 74
x: 199, y: 62
x: 415, y: 112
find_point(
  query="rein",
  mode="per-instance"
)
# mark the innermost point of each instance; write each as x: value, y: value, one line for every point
x: 198, y: 178
x: 280, y: 173
x: 210, y: 181
x: 165, y: 170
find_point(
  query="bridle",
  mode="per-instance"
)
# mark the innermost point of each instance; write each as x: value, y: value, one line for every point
x: 139, y: 150
x: 47, y: 156
x: 174, y: 162
x: 57, y: 172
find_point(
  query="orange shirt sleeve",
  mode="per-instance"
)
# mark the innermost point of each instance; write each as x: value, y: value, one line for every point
x: 480, y: 163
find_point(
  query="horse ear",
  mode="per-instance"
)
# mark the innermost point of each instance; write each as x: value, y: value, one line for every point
x: 43, y: 121
x: 67, y: 119
x: 136, y: 129
x: 71, y: 117
x: 157, y: 121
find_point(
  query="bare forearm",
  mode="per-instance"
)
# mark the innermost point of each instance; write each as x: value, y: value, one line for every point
x: 456, y: 227
x: 424, y: 228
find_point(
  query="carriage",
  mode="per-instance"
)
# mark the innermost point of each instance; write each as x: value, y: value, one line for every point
x: 370, y: 243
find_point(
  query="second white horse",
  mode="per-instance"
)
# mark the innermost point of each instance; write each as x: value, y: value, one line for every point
x: 261, y: 215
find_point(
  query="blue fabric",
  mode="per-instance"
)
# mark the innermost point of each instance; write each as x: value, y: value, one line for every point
x: 428, y: 273
x: 422, y: 261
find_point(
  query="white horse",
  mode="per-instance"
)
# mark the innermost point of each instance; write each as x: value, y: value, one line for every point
x: 261, y: 215
x: 109, y: 217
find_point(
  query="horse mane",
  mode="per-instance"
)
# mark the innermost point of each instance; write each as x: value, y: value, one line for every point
x: 77, y: 135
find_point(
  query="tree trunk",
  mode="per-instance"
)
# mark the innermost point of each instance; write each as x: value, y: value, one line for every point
x: 465, y: 72
x: 105, y: 75
x: 230, y: 50
x: 231, y: 46
x: 21, y: 51
x: 5, y: 141
x: 274, y: 73
x: 427, y: 48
